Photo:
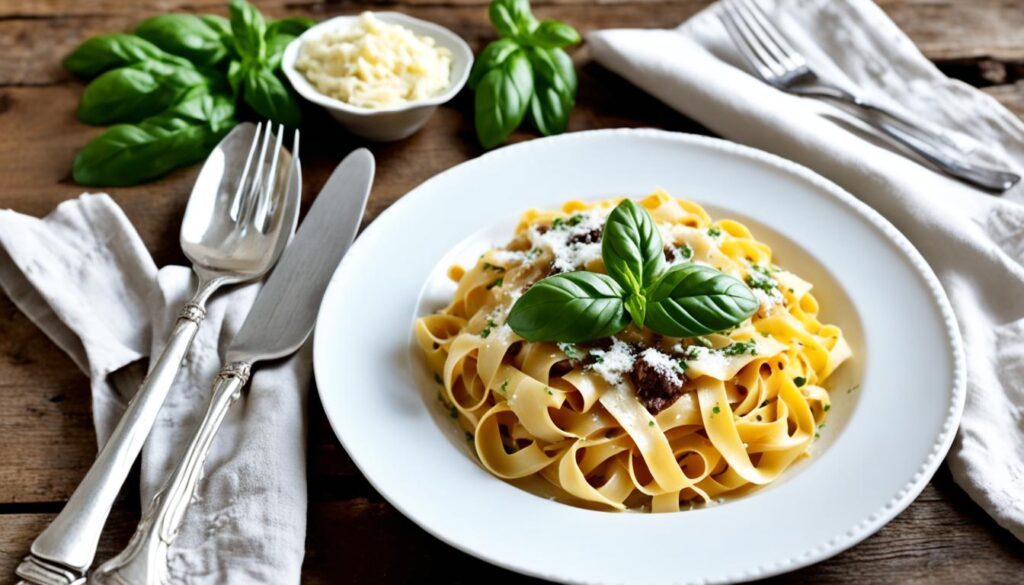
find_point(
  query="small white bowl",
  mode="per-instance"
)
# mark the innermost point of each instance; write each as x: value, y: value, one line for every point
x: 383, y: 124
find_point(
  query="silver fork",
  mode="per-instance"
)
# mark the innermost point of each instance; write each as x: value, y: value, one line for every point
x: 777, y: 63
x: 236, y: 225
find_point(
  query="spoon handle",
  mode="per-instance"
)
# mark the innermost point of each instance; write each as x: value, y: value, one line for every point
x: 144, y: 560
x: 64, y: 551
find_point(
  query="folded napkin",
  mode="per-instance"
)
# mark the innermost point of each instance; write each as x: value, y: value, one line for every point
x: 84, y: 277
x: 973, y: 241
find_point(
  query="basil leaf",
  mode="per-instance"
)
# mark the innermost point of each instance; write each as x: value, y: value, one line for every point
x: 571, y: 307
x: 276, y: 45
x: 249, y: 30
x: 512, y: 18
x: 105, y: 52
x: 562, y: 69
x: 549, y: 110
x: 137, y: 91
x: 186, y: 35
x: 693, y: 299
x: 269, y: 97
x: 493, y: 55
x: 553, y: 97
x: 236, y: 72
x: 502, y: 98
x: 631, y: 247
x: 220, y: 25
x: 127, y: 154
x: 554, y: 34
x: 294, y: 26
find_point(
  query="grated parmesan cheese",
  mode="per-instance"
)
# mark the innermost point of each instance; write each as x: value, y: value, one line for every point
x: 373, y: 64
x: 705, y: 359
x: 662, y: 363
x: 569, y: 256
x: 613, y: 363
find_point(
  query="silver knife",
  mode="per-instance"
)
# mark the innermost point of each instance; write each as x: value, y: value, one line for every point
x: 279, y: 322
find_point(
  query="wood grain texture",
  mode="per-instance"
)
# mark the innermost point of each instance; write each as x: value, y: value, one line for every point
x: 354, y: 536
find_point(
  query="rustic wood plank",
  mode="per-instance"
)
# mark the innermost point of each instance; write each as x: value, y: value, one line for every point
x: 982, y: 41
x: 941, y: 538
x: 45, y: 415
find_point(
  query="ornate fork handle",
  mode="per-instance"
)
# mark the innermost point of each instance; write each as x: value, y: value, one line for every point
x: 933, y: 147
x: 63, y: 552
x: 144, y: 560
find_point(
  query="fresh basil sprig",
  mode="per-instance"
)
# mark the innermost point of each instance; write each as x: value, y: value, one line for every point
x: 686, y: 300
x: 524, y: 74
x: 151, y: 83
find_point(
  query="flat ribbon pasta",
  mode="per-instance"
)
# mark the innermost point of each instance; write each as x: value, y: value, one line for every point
x: 751, y: 399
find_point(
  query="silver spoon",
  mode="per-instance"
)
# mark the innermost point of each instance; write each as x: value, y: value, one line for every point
x: 240, y: 216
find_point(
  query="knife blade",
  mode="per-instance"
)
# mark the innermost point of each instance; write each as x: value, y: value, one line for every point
x: 286, y: 307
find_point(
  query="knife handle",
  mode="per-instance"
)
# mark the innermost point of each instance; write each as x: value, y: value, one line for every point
x: 65, y: 549
x: 144, y: 560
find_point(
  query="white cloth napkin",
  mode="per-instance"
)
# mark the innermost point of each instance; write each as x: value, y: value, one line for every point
x: 84, y: 277
x: 973, y: 241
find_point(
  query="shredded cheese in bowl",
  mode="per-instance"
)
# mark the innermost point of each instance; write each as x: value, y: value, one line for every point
x: 374, y: 64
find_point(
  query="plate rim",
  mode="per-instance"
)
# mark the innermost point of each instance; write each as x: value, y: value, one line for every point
x: 852, y: 536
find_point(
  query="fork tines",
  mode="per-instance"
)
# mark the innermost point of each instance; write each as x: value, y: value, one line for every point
x: 761, y: 43
x: 254, y: 200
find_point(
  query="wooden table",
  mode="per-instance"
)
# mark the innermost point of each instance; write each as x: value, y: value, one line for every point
x: 46, y: 436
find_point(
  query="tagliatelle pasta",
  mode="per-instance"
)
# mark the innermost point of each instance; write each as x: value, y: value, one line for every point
x: 595, y: 420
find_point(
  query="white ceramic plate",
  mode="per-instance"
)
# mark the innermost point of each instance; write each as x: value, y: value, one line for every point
x: 895, y: 406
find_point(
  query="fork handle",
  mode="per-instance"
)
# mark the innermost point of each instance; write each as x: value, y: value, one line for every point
x: 70, y: 541
x: 144, y: 560
x: 932, y: 147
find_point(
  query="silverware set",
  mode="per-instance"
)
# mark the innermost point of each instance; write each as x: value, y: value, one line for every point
x: 777, y: 63
x: 240, y: 217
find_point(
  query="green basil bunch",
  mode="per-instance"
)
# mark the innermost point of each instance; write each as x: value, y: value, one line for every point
x: 525, y: 73
x: 685, y: 300
x: 172, y: 89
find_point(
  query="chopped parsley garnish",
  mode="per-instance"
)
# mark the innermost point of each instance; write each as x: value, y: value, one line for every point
x: 685, y: 251
x: 560, y: 223
x: 497, y: 282
x: 532, y: 253
x: 760, y: 277
x: 487, y: 330
x: 714, y: 231
x: 828, y: 407
x: 650, y: 423
x: 716, y: 409
x: 570, y: 351
x: 548, y: 390
x: 504, y: 386
x: 740, y: 348
x: 489, y: 266
x: 799, y: 381
x: 760, y: 418
x: 437, y: 378
x: 817, y: 435
x: 453, y: 412
x: 681, y: 365
x: 596, y: 357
